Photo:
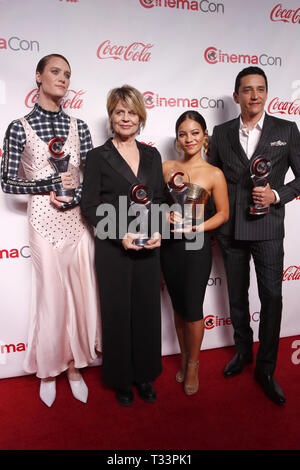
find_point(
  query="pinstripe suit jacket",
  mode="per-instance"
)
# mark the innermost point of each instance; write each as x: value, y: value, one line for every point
x: 280, y: 142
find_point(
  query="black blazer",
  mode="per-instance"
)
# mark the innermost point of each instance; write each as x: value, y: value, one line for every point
x: 280, y: 142
x: 107, y: 176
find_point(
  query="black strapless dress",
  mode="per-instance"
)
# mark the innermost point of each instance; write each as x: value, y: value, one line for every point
x: 186, y: 273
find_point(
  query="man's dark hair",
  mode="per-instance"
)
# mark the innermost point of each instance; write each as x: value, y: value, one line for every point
x: 249, y: 71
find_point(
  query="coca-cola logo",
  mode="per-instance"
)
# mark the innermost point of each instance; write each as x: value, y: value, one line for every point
x: 279, y: 106
x: 73, y: 99
x: 212, y: 55
x: 286, y: 15
x: 292, y: 273
x: 135, y: 52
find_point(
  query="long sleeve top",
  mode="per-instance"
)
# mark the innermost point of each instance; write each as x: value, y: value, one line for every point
x: 47, y: 125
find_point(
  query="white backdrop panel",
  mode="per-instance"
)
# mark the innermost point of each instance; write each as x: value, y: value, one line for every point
x: 180, y: 54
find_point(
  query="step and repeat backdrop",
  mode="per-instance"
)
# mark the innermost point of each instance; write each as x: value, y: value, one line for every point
x: 181, y: 54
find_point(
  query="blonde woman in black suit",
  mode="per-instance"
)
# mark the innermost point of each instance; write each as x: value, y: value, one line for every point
x: 128, y: 275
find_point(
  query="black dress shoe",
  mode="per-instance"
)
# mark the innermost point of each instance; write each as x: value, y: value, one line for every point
x: 146, y: 391
x: 270, y: 387
x: 237, y: 364
x: 125, y: 396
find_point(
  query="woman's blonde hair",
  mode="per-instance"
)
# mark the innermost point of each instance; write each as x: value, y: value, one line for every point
x: 133, y: 99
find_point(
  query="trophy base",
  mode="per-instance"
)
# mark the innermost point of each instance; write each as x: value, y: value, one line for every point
x: 141, y: 241
x: 186, y: 225
x: 259, y: 210
x: 65, y: 192
x: 178, y: 226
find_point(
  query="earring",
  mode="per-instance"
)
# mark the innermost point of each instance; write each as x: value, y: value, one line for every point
x: 206, y: 145
x: 178, y: 148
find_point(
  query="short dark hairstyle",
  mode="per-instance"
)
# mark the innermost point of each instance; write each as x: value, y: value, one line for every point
x: 249, y: 71
x: 44, y: 61
x: 195, y: 116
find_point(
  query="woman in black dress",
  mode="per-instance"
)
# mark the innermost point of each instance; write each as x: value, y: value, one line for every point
x: 186, y: 271
x: 128, y: 275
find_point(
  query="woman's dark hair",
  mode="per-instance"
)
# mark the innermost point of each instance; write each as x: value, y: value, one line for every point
x: 194, y: 116
x: 44, y: 61
x: 249, y: 71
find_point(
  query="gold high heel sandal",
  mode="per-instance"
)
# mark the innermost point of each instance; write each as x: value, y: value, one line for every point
x: 181, y: 373
x: 191, y: 389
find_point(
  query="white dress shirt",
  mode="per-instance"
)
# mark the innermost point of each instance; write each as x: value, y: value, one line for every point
x: 249, y: 139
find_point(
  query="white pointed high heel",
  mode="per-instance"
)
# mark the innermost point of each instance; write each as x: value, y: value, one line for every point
x: 48, y: 391
x: 79, y: 389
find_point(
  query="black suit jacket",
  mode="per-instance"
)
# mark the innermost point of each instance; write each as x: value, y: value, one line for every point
x: 280, y: 142
x: 107, y: 176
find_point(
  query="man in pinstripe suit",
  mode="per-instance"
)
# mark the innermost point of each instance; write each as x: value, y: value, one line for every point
x: 234, y: 145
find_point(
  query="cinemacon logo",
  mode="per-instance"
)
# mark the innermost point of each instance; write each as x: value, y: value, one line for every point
x: 204, y: 6
x: 9, y: 348
x: 212, y: 55
x: 14, y: 253
x: 135, y: 52
x: 17, y: 44
x: 153, y: 100
x: 215, y: 321
x: 73, y: 99
x: 287, y: 15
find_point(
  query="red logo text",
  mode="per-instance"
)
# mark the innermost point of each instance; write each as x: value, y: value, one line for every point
x: 22, y: 252
x: 153, y: 100
x: 8, y: 348
x: 286, y: 15
x: 292, y: 273
x: 17, y: 44
x: 73, y: 99
x: 213, y: 321
x: 277, y: 105
x: 212, y: 55
x: 204, y: 6
x: 135, y: 52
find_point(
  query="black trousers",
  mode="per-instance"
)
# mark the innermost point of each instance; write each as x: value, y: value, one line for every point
x: 268, y: 261
x: 129, y: 290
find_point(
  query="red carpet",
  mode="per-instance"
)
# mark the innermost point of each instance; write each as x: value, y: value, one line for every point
x: 226, y: 414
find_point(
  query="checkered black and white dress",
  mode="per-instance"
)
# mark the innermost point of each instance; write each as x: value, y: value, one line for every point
x: 65, y: 323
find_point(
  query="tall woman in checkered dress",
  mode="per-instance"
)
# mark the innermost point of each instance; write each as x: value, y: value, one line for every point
x: 64, y: 331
